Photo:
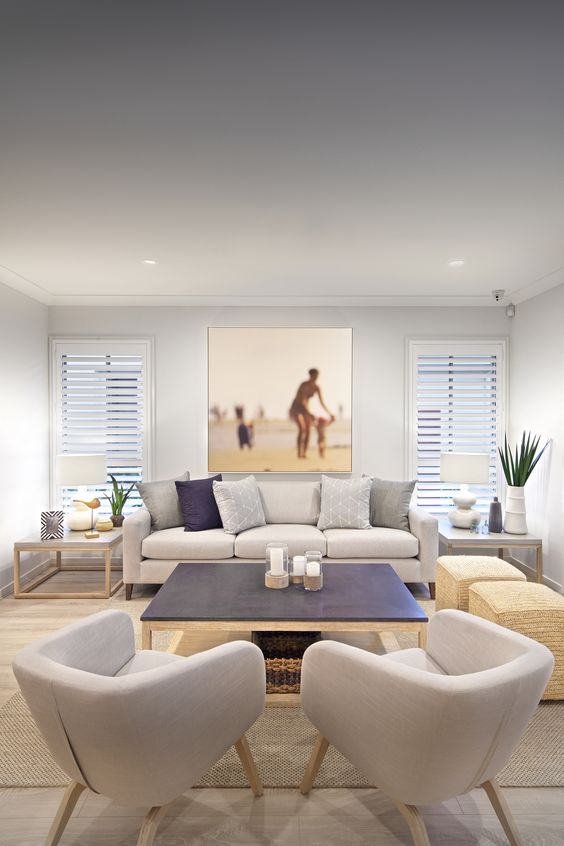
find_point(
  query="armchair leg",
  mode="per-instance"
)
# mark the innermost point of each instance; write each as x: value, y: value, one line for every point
x: 317, y: 756
x: 244, y: 752
x: 415, y: 822
x: 151, y: 823
x: 502, y: 811
x: 64, y: 811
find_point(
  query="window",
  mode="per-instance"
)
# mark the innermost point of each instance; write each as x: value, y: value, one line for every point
x: 456, y: 403
x: 101, y: 403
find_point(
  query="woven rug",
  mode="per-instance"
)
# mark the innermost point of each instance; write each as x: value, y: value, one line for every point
x: 281, y: 741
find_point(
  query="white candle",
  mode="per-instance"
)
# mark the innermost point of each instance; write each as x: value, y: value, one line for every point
x: 313, y: 568
x: 277, y: 562
x: 299, y: 565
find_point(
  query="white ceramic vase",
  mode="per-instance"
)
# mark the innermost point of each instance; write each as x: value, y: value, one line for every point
x: 515, y: 522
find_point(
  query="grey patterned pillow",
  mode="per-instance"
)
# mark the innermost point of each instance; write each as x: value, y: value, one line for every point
x: 240, y: 505
x: 389, y: 504
x: 345, y: 503
x: 161, y: 501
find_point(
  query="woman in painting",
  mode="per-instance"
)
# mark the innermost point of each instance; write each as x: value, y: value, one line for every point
x: 300, y: 413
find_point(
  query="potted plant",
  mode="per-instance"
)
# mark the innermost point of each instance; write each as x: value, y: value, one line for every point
x: 117, y: 500
x: 517, y: 467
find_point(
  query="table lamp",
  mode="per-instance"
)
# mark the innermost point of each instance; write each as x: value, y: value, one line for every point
x: 465, y: 468
x: 81, y: 471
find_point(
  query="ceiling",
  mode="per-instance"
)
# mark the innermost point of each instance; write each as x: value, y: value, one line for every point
x: 281, y: 152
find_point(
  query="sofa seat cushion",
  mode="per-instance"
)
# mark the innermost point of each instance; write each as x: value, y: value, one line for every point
x: 370, y: 543
x: 180, y: 545
x: 252, y: 543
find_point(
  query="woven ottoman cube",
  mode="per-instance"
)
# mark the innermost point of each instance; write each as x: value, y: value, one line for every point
x: 530, y: 609
x: 455, y: 574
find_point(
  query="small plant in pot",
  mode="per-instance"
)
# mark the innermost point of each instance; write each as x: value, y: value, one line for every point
x: 117, y: 500
x: 517, y: 467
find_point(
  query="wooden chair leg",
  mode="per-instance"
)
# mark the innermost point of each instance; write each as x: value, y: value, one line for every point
x: 502, y: 811
x: 151, y: 823
x: 317, y: 756
x: 64, y: 811
x: 244, y: 752
x: 415, y: 822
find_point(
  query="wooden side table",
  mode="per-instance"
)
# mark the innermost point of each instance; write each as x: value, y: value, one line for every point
x: 105, y: 545
x: 454, y: 538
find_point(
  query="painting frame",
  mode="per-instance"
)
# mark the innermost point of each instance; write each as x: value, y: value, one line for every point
x: 315, y: 363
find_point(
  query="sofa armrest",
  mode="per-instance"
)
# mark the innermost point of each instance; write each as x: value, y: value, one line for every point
x: 136, y: 527
x: 425, y: 527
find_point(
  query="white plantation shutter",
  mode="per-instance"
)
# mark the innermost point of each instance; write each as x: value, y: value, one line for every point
x: 101, y: 404
x: 456, y: 404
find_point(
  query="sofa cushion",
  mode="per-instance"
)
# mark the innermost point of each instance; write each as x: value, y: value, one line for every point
x: 180, y: 545
x: 161, y: 501
x: 239, y: 503
x: 299, y: 538
x: 198, y: 504
x: 345, y: 503
x: 389, y: 503
x: 370, y: 543
x: 291, y: 502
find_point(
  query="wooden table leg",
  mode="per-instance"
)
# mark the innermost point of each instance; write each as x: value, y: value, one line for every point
x: 422, y: 636
x: 538, y: 563
x: 17, y: 585
x: 108, y: 571
x: 146, y: 635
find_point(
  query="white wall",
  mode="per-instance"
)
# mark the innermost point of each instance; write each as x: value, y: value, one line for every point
x: 537, y: 404
x: 24, y: 421
x: 378, y: 368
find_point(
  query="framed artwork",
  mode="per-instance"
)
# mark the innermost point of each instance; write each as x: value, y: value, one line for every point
x: 52, y: 525
x: 280, y: 400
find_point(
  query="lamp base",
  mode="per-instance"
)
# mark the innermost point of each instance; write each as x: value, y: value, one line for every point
x: 464, y: 518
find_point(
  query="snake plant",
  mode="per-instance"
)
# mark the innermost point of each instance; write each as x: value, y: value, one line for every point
x: 119, y: 495
x: 518, y: 465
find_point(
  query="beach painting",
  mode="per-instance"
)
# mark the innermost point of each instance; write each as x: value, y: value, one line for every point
x: 280, y: 400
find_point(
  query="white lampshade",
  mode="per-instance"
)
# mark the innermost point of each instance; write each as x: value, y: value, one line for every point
x: 76, y: 470
x: 465, y: 468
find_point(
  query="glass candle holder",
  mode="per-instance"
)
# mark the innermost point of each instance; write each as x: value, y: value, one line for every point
x: 276, y: 573
x: 297, y: 570
x: 313, y: 577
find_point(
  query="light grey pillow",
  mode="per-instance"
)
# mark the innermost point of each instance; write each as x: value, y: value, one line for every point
x: 345, y: 503
x: 240, y: 505
x: 161, y: 501
x: 389, y: 504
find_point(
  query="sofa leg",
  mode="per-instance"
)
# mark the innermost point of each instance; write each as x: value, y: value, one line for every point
x: 128, y: 590
x: 432, y: 589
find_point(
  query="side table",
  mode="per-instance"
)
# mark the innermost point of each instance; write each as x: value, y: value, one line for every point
x: 454, y: 538
x: 105, y: 545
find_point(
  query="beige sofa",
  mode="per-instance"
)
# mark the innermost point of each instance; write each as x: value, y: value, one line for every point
x: 292, y: 511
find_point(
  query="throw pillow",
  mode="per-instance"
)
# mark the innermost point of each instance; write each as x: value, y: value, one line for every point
x: 198, y: 504
x: 161, y: 501
x: 240, y: 505
x: 389, y: 504
x: 345, y: 503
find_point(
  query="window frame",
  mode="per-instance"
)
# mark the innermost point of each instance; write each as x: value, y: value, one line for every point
x: 471, y: 345
x: 94, y: 344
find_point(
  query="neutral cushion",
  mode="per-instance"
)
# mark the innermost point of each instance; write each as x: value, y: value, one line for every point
x: 370, y: 543
x: 299, y: 538
x: 147, y: 659
x: 389, y: 504
x: 178, y: 544
x: 161, y: 501
x: 240, y: 505
x: 198, y: 505
x: 291, y: 502
x: 345, y: 503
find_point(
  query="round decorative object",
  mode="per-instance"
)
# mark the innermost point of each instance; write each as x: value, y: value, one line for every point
x: 117, y: 520
x: 515, y: 511
x: 79, y: 519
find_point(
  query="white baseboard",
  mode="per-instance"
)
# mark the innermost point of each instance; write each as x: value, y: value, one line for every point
x: 30, y: 574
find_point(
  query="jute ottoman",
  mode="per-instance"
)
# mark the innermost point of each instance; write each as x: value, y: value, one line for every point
x: 531, y: 609
x: 455, y: 574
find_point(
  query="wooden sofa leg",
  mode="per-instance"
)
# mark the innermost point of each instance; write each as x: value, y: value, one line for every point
x: 432, y: 589
x: 128, y: 591
x: 65, y: 809
x: 502, y: 811
x: 317, y: 756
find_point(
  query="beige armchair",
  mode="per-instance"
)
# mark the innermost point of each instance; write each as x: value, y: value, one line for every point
x: 138, y: 727
x: 425, y: 726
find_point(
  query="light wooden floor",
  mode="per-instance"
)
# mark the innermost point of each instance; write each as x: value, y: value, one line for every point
x: 222, y: 817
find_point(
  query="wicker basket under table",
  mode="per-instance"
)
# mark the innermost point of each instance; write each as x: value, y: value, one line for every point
x: 455, y: 573
x: 530, y: 609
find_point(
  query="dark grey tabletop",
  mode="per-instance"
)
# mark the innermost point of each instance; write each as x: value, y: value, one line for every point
x: 236, y: 591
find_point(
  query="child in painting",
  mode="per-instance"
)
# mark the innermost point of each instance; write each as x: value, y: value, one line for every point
x: 321, y: 424
x: 245, y: 429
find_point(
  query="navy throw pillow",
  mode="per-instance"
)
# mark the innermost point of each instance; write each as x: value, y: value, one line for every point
x: 198, y: 504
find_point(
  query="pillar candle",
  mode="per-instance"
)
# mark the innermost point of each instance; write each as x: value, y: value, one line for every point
x: 313, y: 568
x: 277, y: 562
x: 299, y: 565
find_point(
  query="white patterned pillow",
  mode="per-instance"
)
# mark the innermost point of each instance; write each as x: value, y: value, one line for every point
x: 239, y: 504
x: 345, y: 503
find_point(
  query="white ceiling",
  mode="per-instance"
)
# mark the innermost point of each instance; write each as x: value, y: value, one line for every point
x: 281, y: 152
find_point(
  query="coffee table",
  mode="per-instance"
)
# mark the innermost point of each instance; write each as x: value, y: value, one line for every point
x: 219, y: 597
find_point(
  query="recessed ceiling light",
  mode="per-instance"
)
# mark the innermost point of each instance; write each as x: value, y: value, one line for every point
x: 456, y: 263
x: 149, y: 261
